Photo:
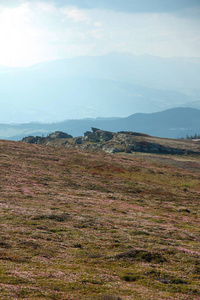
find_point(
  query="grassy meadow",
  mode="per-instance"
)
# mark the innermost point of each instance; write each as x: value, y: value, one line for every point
x: 81, y: 225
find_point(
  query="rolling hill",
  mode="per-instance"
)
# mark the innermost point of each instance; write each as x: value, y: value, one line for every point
x: 105, y: 86
x: 172, y: 123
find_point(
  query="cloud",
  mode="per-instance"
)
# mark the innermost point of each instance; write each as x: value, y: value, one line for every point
x: 130, y: 6
x: 75, y: 14
x: 44, y: 7
x: 76, y: 9
x: 39, y: 30
x: 190, y: 13
x: 97, y: 24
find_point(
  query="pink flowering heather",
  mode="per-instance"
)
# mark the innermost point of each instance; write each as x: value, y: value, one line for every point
x: 82, y: 225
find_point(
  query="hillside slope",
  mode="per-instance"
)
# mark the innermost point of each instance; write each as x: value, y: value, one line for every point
x: 110, y: 85
x: 172, y: 123
x: 79, y: 225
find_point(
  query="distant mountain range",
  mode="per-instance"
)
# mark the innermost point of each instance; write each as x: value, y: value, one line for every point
x: 171, y: 123
x: 108, y: 86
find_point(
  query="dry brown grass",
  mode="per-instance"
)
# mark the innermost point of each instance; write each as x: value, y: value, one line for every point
x: 80, y: 225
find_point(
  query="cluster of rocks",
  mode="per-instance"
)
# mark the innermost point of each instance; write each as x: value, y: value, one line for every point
x: 110, y: 142
x: 98, y: 135
x: 42, y: 140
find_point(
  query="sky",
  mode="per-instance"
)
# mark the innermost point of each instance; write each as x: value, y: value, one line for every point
x: 33, y: 31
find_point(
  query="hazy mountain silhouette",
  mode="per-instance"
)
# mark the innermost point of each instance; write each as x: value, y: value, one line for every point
x: 172, y: 123
x: 105, y: 86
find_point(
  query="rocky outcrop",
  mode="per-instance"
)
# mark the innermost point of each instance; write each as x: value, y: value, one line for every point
x: 98, y: 135
x: 144, y: 146
x: 59, y: 135
x: 78, y: 140
x: 45, y: 140
x: 133, y: 133
x: 110, y: 142
x: 34, y: 140
x: 110, y: 149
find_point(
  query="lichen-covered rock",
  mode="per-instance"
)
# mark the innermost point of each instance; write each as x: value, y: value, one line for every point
x: 59, y: 135
x: 34, y: 140
x: 110, y: 149
x: 78, y: 140
x: 99, y: 135
x: 87, y: 133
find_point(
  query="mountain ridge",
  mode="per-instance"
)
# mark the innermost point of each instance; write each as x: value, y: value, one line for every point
x: 110, y: 85
x: 171, y: 123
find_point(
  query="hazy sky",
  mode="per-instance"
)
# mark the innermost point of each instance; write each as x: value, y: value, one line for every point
x: 32, y: 31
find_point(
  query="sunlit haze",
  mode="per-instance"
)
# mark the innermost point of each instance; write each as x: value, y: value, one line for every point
x: 36, y: 31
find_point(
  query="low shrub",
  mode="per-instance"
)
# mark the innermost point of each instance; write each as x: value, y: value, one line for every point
x: 141, y: 255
